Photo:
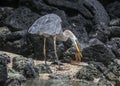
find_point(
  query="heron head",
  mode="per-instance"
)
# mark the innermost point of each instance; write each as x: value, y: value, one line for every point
x: 69, y: 34
x: 76, y: 44
x: 79, y: 52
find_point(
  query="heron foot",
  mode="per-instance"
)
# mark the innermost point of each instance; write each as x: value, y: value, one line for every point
x: 56, y: 63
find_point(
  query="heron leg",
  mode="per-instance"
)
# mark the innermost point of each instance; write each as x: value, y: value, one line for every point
x: 44, y: 50
x: 55, y: 50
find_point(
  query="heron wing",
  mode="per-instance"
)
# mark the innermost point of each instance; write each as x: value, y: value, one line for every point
x: 48, y: 24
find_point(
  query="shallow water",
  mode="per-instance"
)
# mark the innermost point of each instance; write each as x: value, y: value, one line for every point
x: 37, y: 82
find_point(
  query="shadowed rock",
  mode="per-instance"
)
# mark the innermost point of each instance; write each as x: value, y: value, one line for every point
x: 114, y: 44
x: 91, y: 73
x: 3, y: 69
x: 42, y: 68
x: 99, y: 53
x: 21, y: 19
x: 113, y: 9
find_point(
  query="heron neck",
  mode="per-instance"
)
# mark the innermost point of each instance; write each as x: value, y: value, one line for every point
x: 71, y: 36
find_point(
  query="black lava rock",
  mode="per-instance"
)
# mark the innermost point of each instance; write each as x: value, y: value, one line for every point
x: 37, y: 5
x: 100, y: 31
x: 25, y: 66
x: 105, y: 3
x: 14, y: 39
x: 42, y: 68
x: 115, y: 31
x: 113, y: 9
x: 107, y: 71
x: 99, y: 53
x: 88, y: 9
x: 91, y: 73
x: 3, y: 69
x: 114, y: 44
x: 21, y: 19
x: 13, y: 3
x: 5, y: 12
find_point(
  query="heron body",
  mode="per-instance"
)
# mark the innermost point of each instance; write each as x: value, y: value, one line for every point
x: 50, y: 25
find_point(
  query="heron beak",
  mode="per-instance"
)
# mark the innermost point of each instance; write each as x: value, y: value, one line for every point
x: 79, y: 52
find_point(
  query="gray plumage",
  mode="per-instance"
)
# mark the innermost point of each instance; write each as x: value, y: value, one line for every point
x: 49, y: 24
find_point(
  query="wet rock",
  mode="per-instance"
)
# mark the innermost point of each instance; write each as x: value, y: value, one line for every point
x: 21, y: 19
x: 113, y: 9
x: 99, y: 53
x: 42, y: 68
x: 25, y: 66
x: 114, y: 44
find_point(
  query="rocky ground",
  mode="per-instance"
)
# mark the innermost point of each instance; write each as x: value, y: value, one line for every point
x: 96, y: 24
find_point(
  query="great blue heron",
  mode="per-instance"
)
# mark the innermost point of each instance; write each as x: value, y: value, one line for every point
x: 50, y: 25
